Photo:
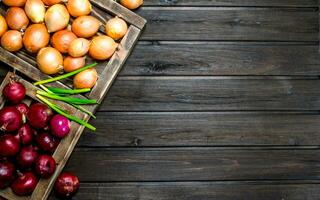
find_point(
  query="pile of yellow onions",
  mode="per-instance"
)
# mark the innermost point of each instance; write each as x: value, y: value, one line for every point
x: 61, y: 34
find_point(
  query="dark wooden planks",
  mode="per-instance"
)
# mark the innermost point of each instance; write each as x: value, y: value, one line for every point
x: 268, y: 24
x: 285, y: 3
x: 222, y: 58
x: 199, y: 191
x: 190, y: 164
x: 212, y: 93
x: 202, y: 129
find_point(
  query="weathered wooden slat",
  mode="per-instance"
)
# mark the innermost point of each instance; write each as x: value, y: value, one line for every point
x: 285, y: 3
x: 216, y: 58
x: 212, y: 93
x: 199, y: 190
x: 190, y: 164
x: 269, y: 24
x: 234, y: 58
x: 202, y: 129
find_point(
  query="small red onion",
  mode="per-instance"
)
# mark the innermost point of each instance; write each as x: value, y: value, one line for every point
x: 14, y: 92
x: 45, y: 166
x: 9, y: 145
x: 7, y: 172
x: 27, y: 156
x: 10, y: 119
x: 24, y: 184
x: 23, y: 109
x: 25, y: 134
x: 47, y: 142
x: 60, y: 126
x: 67, y: 184
x: 39, y: 115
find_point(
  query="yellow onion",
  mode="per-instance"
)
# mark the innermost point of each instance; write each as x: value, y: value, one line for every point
x: 18, y: 3
x: 85, y: 79
x: 79, y: 8
x: 50, y: 61
x: 3, y: 25
x: 57, y: 18
x: 79, y: 47
x: 61, y: 40
x: 35, y: 10
x: 17, y: 19
x: 36, y: 37
x: 12, y: 40
x: 131, y: 4
x: 85, y: 26
x: 51, y: 2
x: 102, y: 47
x: 116, y: 28
x: 70, y: 63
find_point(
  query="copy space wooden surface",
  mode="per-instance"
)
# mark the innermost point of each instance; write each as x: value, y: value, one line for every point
x: 219, y: 100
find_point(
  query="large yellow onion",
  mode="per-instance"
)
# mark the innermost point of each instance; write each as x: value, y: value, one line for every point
x: 85, y: 79
x: 131, y: 4
x: 36, y: 37
x: 17, y: 18
x: 50, y: 60
x: 116, y: 28
x: 102, y: 47
x: 79, y: 8
x: 85, y: 26
x: 12, y: 40
x: 70, y: 63
x: 57, y: 18
x: 18, y: 3
x: 79, y: 47
x: 35, y: 10
x: 3, y: 25
x: 51, y: 2
x: 61, y: 40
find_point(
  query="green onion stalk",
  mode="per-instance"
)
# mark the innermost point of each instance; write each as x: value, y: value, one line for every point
x: 72, y: 100
x: 61, y: 112
x: 82, y: 109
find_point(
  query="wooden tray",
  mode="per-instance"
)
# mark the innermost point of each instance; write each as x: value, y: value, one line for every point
x: 24, y: 62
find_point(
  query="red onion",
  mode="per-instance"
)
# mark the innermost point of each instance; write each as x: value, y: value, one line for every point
x: 39, y: 115
x: 25, y: 134
x: 9, y: 145
x: 23, y: 108
x: 7, y: 173
x: 67, y: 184
x: 27, y: 156
x: 45, y: 166
x: 10, y: 119
x: 24, y: 184
x: 60, y: 126
x: 47, y: 142
x: 14, y: 92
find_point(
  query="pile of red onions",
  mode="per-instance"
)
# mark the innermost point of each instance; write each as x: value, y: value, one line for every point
x: 29, y: 137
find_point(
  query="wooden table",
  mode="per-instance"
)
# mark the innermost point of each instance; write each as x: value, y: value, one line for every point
x: 219, y: 100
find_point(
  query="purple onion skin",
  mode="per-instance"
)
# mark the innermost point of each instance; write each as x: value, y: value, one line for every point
x: 60, y: 126
x: 46, y: 142
x: 39, y: 115
x: 14, y: 92
x: 26, y: 134
x: 10, y: 119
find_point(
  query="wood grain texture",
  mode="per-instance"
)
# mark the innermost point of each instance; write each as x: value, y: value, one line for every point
x: 198, y: 191
x: 246, y: 3
x: 202, y: 129
x: 190, y: 164
x: 212, y: 93
x: 222, y: 58
x: 249, y: 24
